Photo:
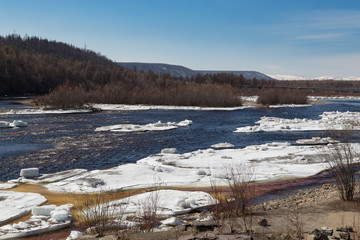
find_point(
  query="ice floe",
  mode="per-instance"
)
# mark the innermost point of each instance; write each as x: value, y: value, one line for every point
x: 167, y: 202
x: 328, y: 121
x: 48, y: 178
x: 199, y: 168
x: 316, y: 141
x: 4, y: 186
x: 158, y: 126
x: 223, y: 145
x: 44, y: 219
x: 17, y: 204
x: 13, y: 124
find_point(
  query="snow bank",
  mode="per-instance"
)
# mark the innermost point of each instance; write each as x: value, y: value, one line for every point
x: 168, y: 202
x: 328, y: 121
x: 14, y: 124
x: 45, y: 219
x: 124, y: 107
x: 199, y: 168
x: 16, y: 204
x: 29, y: 111
x: 158, y: 126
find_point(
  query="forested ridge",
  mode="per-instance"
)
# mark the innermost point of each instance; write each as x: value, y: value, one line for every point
x: 31, y: 65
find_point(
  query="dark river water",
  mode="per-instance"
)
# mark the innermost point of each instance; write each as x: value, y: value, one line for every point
x: 54, y: 142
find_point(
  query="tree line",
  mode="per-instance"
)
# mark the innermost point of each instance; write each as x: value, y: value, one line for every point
x: 31, y: 65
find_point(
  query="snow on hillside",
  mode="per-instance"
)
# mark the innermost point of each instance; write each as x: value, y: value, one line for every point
x: 326, y: 77
x: 286, y: 77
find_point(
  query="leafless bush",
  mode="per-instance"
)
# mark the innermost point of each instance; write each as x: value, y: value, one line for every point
x: 236, y: 202
x: 148, y: 211
x: 340, y: 158
x: 295, y: 224
x: 285, y: 96
x: 239, y: 178
x: 222, y: 210
x: 96, y: 213
x: 66, y: 96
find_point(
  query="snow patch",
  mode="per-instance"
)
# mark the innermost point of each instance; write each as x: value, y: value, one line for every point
x: 16, y: 204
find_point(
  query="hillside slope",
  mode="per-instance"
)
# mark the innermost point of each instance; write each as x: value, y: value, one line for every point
x: 181, y: 71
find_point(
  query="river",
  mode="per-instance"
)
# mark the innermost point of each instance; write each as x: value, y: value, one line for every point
x: 56, y: 142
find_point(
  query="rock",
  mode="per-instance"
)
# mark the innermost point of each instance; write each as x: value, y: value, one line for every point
x: 169, y: 151
x: 186, y: 237
x: 226, y: 229
x: 234, y: 237
x: 341, y: 229
x: 201, y: 172
x: 29, y: 172
x: 327, y: 231
x: 263, y: 223
x: 349, y: 229
x: 344, y: 235
x: 109, y: 237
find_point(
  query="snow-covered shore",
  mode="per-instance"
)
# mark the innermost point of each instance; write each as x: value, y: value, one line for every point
x: 30, y: 111
x: 199, y: 168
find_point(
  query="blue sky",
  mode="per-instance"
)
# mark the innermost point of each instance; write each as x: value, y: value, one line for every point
x: 306, y: 38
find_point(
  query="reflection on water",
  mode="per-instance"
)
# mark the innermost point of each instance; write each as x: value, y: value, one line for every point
x: 61, y: 142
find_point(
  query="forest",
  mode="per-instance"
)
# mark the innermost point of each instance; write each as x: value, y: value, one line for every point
x: 35, y: 66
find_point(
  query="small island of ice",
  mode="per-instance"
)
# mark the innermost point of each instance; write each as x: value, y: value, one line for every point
x: 158, y: 126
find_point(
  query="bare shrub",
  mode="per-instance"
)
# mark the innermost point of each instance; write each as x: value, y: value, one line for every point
x: 148, y: 211
x: 96, y: 213
x: 221, y: 211
x: 235, y: 202
x: 239, y: 178
x: 340, y: 158
x: 176, y: 93
x: 285, y: 96
x: 295, y: 224
x: 66, y: 96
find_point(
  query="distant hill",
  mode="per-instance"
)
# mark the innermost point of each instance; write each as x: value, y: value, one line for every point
x: 181, y: 71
